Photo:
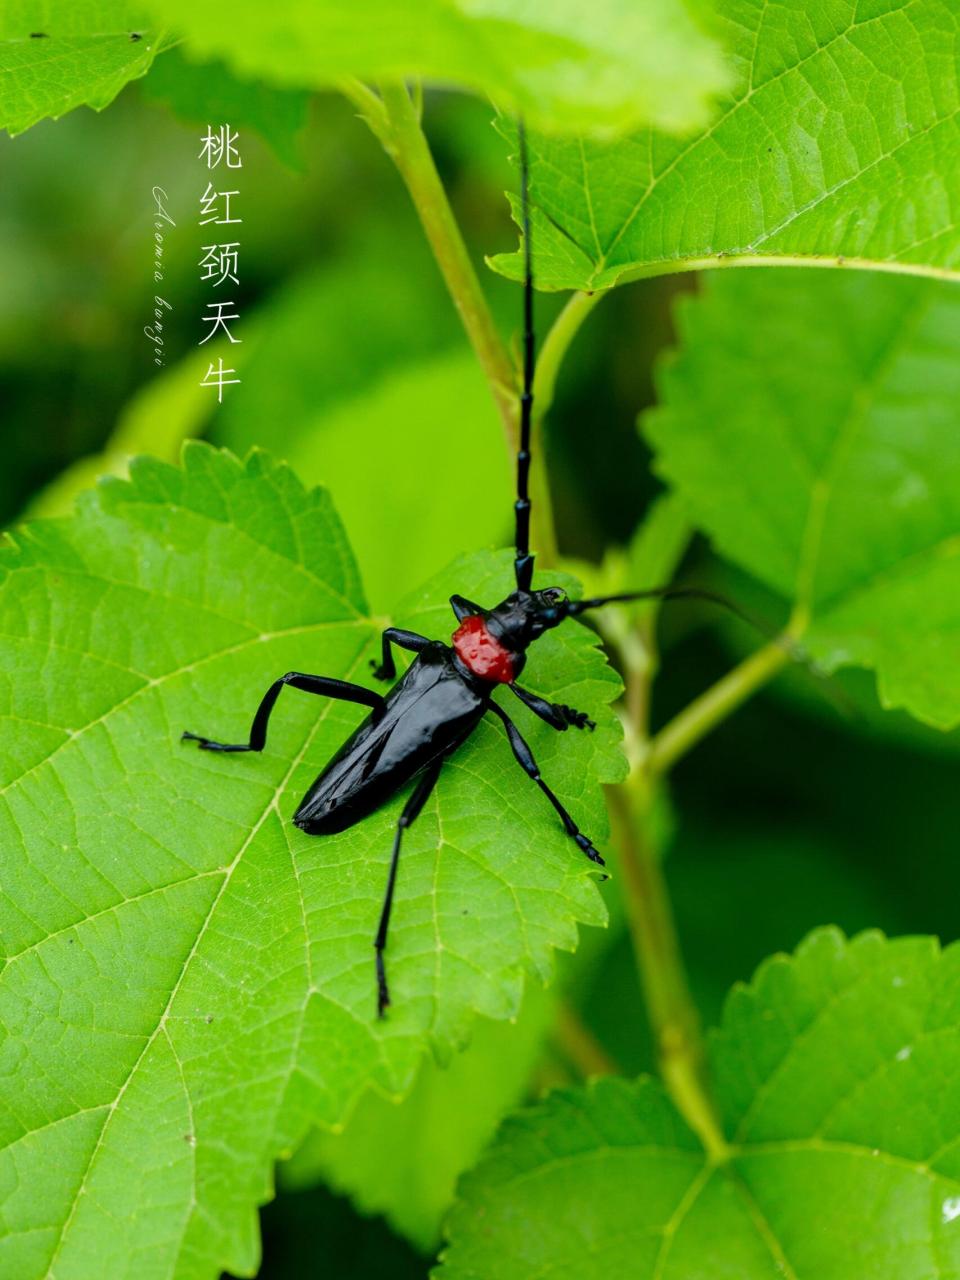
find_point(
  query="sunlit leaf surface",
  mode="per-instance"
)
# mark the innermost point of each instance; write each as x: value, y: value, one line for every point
x: 820, y: 448
x: 567, y: 66
x: 841, y: 140
x: 188, y: 982
x: 832, y: 1074
x: 61, y: 54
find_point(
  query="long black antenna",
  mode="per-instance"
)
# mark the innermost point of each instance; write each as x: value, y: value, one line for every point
x: 523, y: 564
x: 793, y: 648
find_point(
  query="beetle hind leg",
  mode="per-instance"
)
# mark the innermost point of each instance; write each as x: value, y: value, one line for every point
x: 418, y: 798
x: 386, y: 668
x: 326, y: 686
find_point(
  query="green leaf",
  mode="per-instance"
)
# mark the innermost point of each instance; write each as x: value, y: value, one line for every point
x: 612, y: 66
x: 848, y: 700
x: 832, y: 1072
x: 208, y: 93
x: 820, y: 449
x: 188, y: 983
x: 840, y: 141
x: 60, y: 54
x: 403, y: 1158
x: 775, y: 874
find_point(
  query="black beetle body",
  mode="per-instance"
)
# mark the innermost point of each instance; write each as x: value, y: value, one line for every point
x: 447, y: 689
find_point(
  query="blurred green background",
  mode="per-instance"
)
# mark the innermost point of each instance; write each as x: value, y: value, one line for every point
x: 354, y: 368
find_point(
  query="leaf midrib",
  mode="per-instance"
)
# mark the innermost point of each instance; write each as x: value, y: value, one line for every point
x: 823, y: 487
x: 166, y: 676
x: 727, y: 1168
x: 722, y: 119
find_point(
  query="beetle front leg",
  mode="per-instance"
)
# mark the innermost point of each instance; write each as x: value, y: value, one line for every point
x: 557, y: 714
x: 386, y: 669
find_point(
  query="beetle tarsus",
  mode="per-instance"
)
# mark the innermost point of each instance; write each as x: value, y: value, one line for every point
x: 579, y: 719
x: 380, y: 671
x: 584, y: 844
x: 383, y: 994
x: 207, y: 744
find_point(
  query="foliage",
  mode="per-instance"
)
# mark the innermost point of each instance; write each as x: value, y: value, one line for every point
x: 796, y: 477
x: 450, y: 1113
x: 561, y: 65
x: 838, y: 143
x: 187, y: 991
x: 564, y: 67
x: 55, y: 57
x: 200, y: 92
x: 840, y: 1153
x: 395, y: 378
x: 138, y: 866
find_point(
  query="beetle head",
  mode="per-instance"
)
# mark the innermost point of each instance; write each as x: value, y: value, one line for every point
x: 517, y: 621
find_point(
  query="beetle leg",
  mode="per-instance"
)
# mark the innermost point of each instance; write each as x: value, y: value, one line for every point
x: 525, y: 758
x: 557, y: 714
x: 416, y: 801
x: 464, y: 608
x: 342, y: 690
x: 386, y: 669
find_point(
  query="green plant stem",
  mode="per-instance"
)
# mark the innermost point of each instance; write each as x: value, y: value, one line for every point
x: 394, y: 118
x: 562, y: 332
x: 368, y: 104
x: 707, y: 711
x: 579, y: 1045
x: 404, y: 139
x: 673, y: 1015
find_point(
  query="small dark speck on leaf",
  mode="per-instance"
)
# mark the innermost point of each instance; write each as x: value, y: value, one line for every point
x: 38, y: 35
x: 465, y: 911
x: 208, y: 1019
x: 135, y: 35
x: 71, y: 941
x: 190, y: 1139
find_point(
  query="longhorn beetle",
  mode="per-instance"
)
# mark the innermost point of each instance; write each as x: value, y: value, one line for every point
x: 447, y: 689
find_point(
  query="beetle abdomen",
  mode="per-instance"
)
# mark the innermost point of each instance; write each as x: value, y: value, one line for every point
x: 429, y: 712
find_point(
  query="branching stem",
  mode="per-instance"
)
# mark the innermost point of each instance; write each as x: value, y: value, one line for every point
x: 706, y: 712
x: 673, y: 1014
x: 556, y: 344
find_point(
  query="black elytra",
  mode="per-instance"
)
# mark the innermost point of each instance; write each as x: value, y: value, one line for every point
x: 448, y: 688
